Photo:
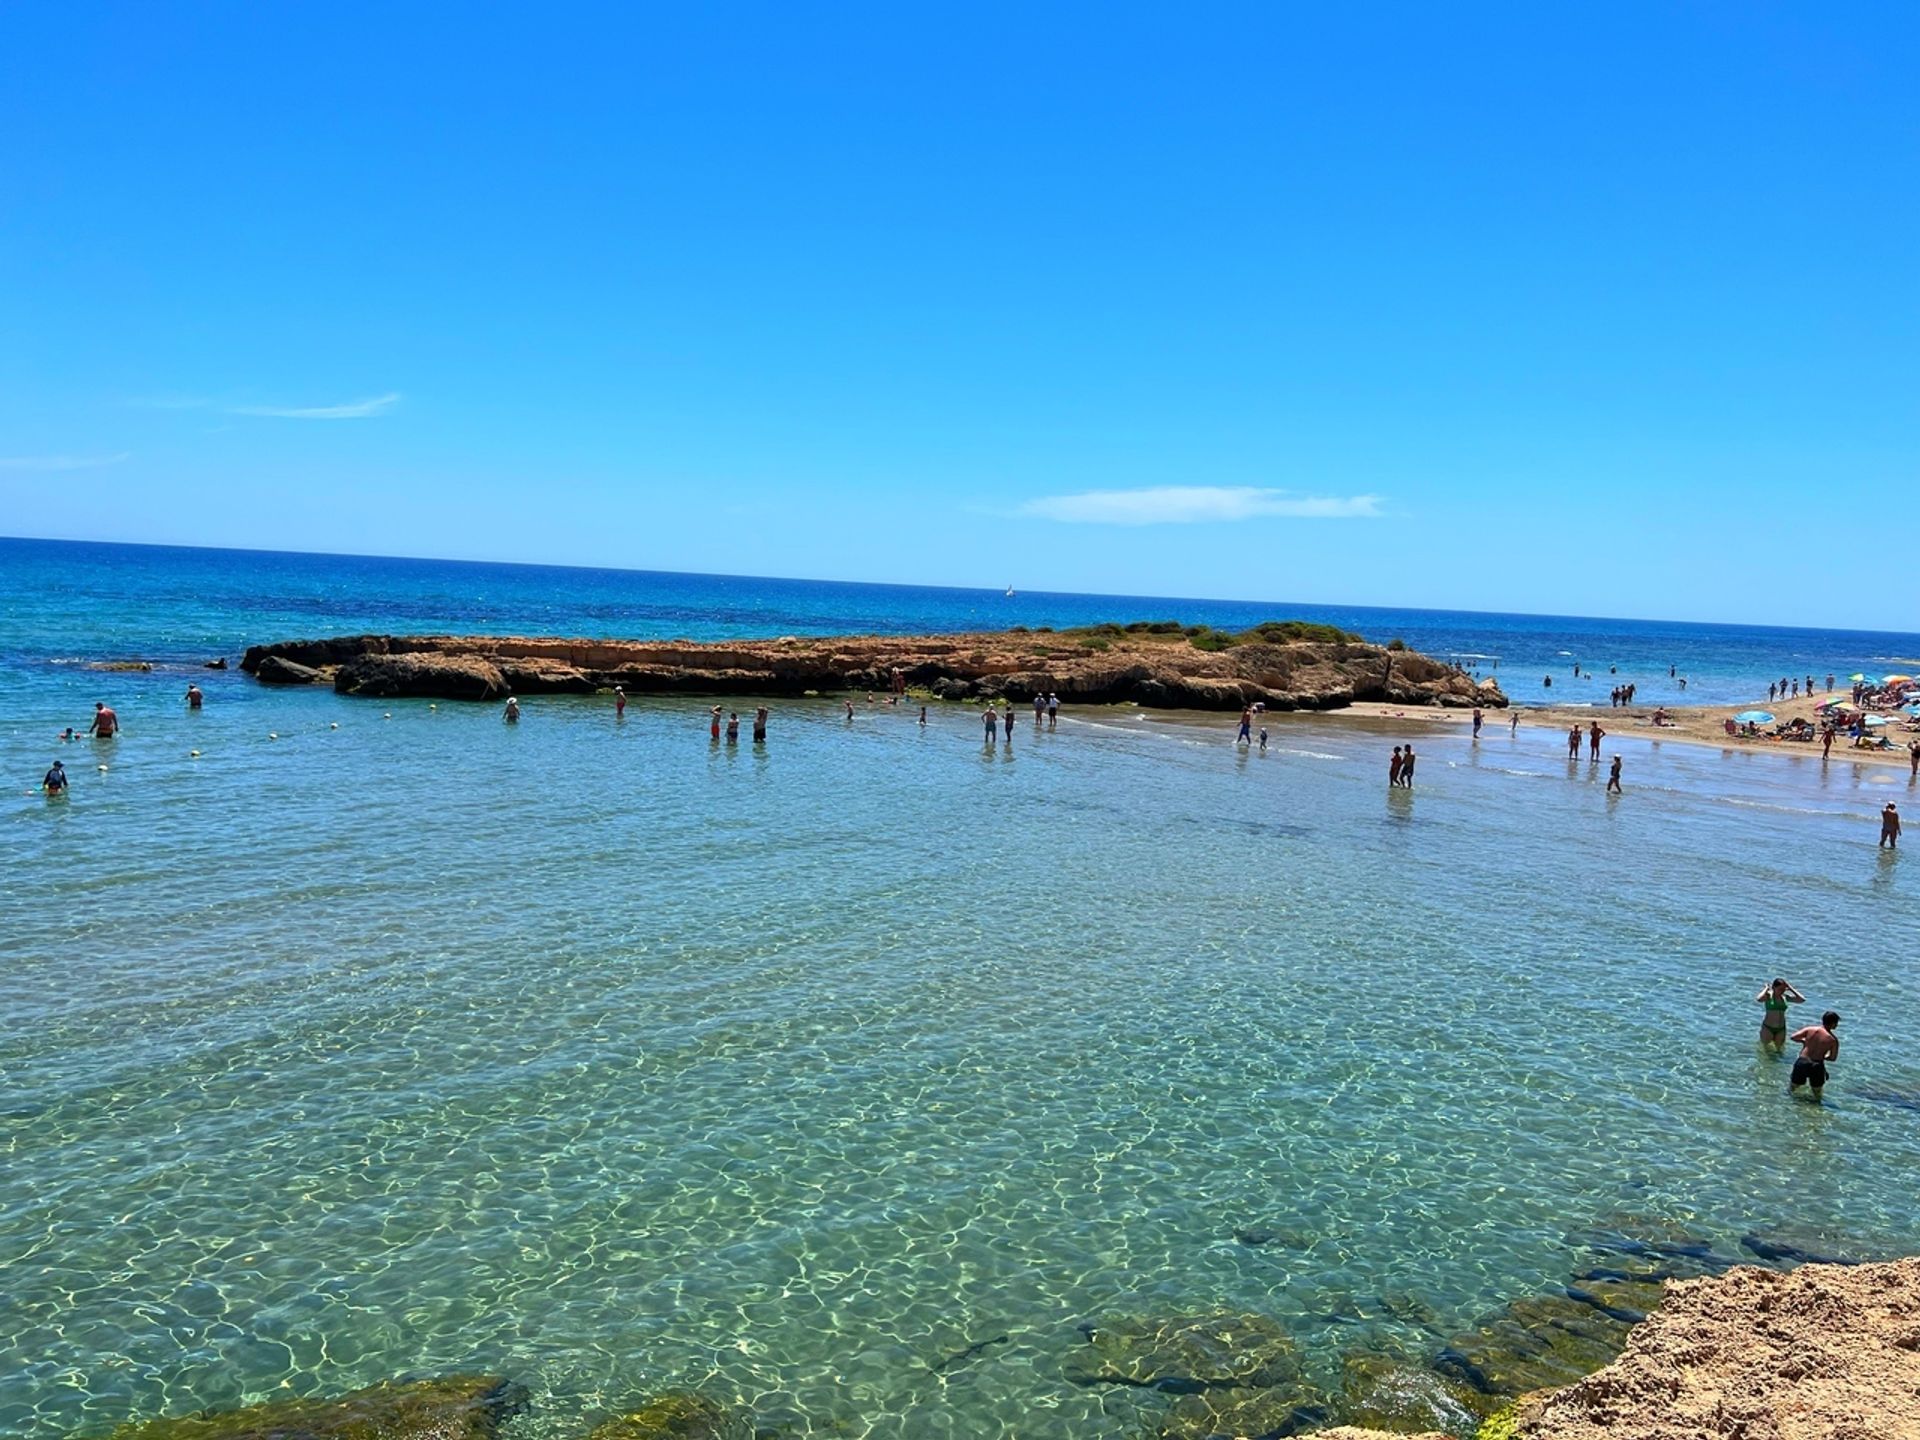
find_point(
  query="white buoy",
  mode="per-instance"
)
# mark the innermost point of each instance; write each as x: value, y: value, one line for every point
x: 273, y: 734
x: 433, y: 707
x: 387, y: 716
x: 193, y: 754
x: 334, y: 726
x: 103, y: 769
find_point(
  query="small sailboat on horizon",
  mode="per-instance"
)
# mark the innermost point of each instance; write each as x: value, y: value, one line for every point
x: 1009, y: 592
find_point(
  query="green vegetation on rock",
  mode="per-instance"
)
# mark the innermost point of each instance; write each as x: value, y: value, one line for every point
x: 454, y: 1407
x: 1205, y: 637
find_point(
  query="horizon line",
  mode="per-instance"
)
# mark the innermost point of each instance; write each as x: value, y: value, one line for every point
x: 923, y: 585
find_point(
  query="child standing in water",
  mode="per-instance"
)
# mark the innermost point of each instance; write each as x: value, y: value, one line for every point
x: 1773, y: 1025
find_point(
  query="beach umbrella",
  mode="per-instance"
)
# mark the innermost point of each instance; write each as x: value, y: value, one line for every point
x: 1755, y: 717
x: 1856, y: 677
x: 1878, y: 720
x: 1835, y: 704
x: 1896, y: 679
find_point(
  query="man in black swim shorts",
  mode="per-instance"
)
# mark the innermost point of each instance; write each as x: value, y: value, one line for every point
x: 1818, y: 1044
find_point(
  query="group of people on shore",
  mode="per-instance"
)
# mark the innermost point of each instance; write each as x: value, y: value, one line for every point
x: 1818, y: 1043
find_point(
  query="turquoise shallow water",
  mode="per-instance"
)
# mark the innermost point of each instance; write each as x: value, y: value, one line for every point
x: 610, y: 1060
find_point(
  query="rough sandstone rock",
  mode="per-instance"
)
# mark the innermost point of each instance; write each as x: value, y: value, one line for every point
x: 1824, y: 1352
x: 273, y: 670
x: 1108, y: 666
x: 423, y: 676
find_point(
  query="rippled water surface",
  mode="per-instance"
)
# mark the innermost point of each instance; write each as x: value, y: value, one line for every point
x: 605, y: 1058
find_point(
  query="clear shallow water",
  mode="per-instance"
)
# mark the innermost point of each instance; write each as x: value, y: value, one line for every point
x: 602, y: 1058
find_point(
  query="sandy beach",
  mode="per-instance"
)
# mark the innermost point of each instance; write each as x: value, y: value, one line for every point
x: 1689, y: 725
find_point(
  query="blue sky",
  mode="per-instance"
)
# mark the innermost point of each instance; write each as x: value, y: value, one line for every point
x: 1578, y: 309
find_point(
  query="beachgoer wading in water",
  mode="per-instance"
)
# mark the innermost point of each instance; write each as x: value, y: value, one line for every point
x: 512, y: 713
x: 1406, y: 769
x: 56, y: 780
x: 760, y: 725
x: 1818, y: 1044
x: 1773, y: 1025
x: 194, y: 697
x: 1393, y: 767
x: 1613, y: 776
x: 1890, y: 827
x: 105, y: 724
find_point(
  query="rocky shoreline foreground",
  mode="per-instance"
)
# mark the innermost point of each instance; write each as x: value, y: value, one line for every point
x: 1827, y: 1351
x: 1283, y: 665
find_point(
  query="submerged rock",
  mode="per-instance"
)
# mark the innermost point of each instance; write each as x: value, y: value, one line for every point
x: 1236, y: 1414
x: 454, y: 1407
x: 1386, y: 1392
x: 1185, y: 1354
x: 677, y: 1415
x: 1540, y: 1341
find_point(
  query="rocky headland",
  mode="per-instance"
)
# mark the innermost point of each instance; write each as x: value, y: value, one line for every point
x: 1284, y: 665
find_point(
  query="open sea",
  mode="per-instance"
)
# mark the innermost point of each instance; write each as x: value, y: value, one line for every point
x: 850, y: 1078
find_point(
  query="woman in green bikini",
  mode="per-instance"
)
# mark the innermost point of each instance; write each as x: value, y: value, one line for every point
x: 1776, y: 997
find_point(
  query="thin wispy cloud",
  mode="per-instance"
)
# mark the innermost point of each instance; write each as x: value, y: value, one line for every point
x: 1196, y: 504
x: 351, y: 410
x: 62, y: 462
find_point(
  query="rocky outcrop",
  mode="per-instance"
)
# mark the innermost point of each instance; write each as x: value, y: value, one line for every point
x: 1163, y: 665
x: 1822, y: 1353
x: 455, y: 1407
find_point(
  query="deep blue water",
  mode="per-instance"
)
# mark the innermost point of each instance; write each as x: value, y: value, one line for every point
x: 67, y: 601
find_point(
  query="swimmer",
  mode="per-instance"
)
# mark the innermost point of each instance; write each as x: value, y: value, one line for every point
x: 512, y: 713
x: 1613, y: 778
x: 1773, y: 1025
x: 194, y: 697
x: 1406, y: 769
x: 1263, y: 739
x: 714, y: 729
x: 105, y: 724
x: 56, y: 780
x: 760, y: 725
x: 1393, y: 767
x: 1890, y: 827
x: 923, y: 717
x: 619, y: 703
x: 733, y: 727
x: 67, y: 734
x: 1818, y: 1044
